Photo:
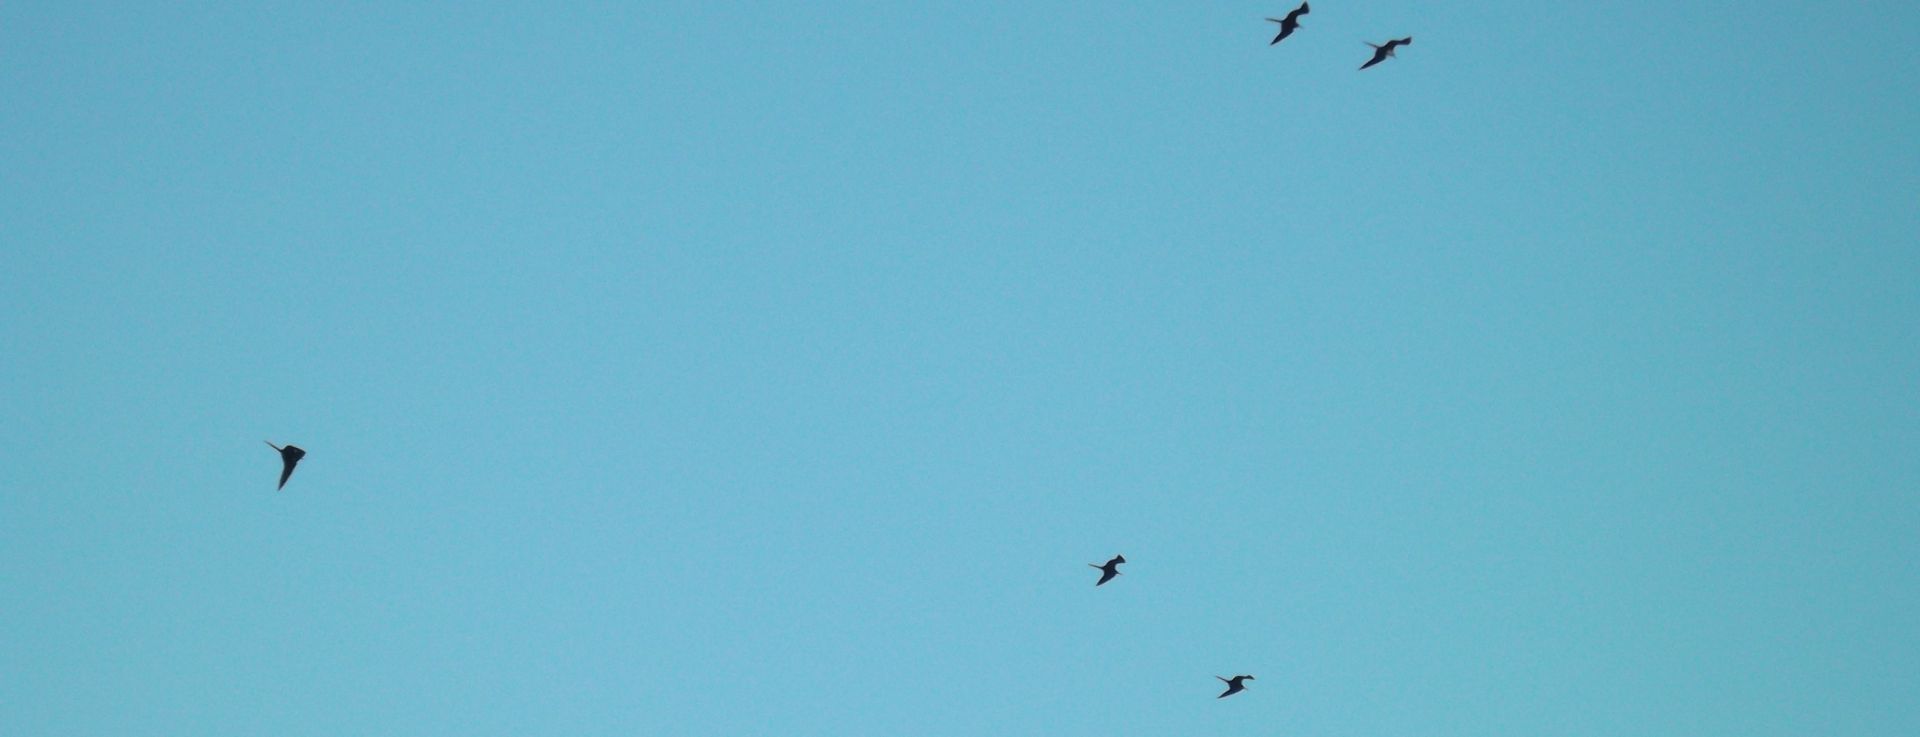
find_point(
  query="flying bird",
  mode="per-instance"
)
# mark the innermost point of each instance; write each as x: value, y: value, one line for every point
x: 289, y: 457
x: 1233, y: 685
x: 1111, y: 569
x: 1288, y: 24
x: 1383, y: 53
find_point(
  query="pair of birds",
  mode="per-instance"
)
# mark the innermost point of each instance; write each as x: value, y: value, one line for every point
x: 1111, y: 568
x: 1291, y: 23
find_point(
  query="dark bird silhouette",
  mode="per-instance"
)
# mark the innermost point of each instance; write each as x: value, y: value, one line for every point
x: 1288, y: 24
x: 1111, y: 569
x: 289, y: 457
x: 1383, y: 53
x: 1233, y: 685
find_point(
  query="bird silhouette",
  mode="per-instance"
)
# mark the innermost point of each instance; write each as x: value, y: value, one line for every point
x: 1288, y: 24
x: 1111, y: 569
x: 289, y: 457
x: 1383, y: 53
x: 1233, y: 685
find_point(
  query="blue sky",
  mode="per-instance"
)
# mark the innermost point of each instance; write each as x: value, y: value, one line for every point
x: 725, y: 368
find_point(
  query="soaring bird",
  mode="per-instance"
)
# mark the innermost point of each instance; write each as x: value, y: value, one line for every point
x: 1288, y: 24
x: 1383, y: 53
x: 289, y: 457
x: 1233, y: 685
x: 1111, y: 569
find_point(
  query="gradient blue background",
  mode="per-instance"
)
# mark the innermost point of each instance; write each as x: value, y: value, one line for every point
x: 752, y: 368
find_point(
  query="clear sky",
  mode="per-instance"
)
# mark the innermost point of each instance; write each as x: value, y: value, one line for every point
x: 748, y: 368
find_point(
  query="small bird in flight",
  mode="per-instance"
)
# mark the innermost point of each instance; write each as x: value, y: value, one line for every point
x: 289, y: 457
x: 1383, y: 53
x: 1288, y: 24
x: 1111, y: 569
x: 1233, y: 685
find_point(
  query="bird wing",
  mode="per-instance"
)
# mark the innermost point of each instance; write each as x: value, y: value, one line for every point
x: 1297, y: 12
x: 286, y: 470
x: 1379, y: 55
x: 1106, y: 575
